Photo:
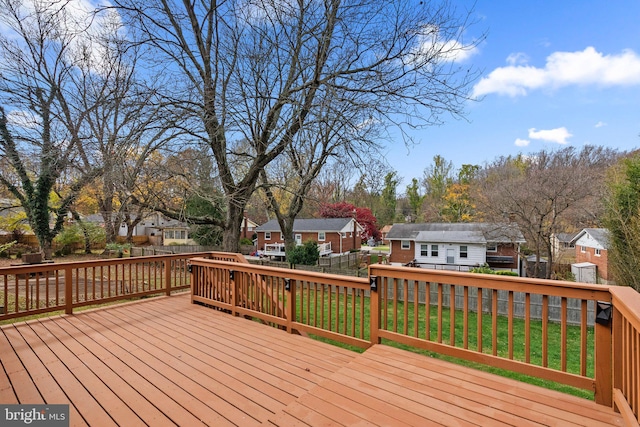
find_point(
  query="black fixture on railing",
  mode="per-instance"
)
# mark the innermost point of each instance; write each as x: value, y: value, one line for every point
x: 603, y: 313
x: 373, y: 283
x: 231, y: 273
x: 287, y: 285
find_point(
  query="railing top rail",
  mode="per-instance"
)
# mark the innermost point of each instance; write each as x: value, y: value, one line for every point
x: 627, y: 301
x: 493, y: 281
x: 29, y: 268
x: 311, y: 276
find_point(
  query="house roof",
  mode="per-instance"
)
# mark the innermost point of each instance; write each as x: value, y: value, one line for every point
x: 386, y: 228
x: 453, y: 236
x: 309, y: 225
x: 565, y: 237
x: 600, y: 235
x: 468, y: 232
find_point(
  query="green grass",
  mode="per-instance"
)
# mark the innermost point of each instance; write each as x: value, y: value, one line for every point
x: 502, y: 350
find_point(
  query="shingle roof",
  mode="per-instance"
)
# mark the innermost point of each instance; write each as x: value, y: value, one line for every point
x: 311, y: 224
x: 600, y: 235
x: 565, y: 237
x: 470, y: 232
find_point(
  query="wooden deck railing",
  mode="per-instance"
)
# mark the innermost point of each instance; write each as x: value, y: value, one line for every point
x: 542, y: 328
x: 49, y: 287
x: 626, y: 353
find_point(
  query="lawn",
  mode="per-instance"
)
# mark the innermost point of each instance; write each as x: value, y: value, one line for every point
x: 320, y: 317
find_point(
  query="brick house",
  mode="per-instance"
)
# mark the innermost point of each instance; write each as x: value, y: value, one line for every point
x: 591, y: 246
x: 456, y: 246
x: 333, y: 235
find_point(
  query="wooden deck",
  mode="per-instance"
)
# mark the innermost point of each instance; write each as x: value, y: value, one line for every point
x: 164, y: 361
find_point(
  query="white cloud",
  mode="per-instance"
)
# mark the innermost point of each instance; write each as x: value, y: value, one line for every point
x: 521, y: 142
x: 431, y: 44
x: 75, y: 21
x: 600, y: 124
x: 517, y: 59
x: 558, y: 135
x: 587, y: 67
x: 23, y: 119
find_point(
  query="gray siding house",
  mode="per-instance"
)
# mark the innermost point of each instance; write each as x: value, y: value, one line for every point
x: 456, y: 246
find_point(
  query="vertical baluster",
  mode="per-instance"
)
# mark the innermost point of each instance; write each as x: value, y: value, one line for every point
x: 479, y: 321
x: 465, y: 317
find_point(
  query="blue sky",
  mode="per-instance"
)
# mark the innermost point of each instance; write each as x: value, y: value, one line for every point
x: 555, y: 74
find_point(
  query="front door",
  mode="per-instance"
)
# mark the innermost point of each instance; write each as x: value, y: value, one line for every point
x: 298, y: 239
x: 451, y: 256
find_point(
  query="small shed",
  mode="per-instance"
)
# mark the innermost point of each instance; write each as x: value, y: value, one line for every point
x: 585, y: 272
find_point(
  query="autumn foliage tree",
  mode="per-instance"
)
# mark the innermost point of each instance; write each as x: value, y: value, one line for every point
x: 363, y: 216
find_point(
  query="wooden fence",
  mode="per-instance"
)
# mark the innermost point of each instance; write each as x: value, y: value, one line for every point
x: 363, y: 312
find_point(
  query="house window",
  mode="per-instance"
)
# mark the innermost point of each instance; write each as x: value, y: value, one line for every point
x: 424, y: 250
x: 464, y: 252
x: 583, y: 249
x: 434, y: 250
x: 492, y: 247
x: 405, y: 244
x: 267, y: 235
x: 168, y: 234
x: 321, y: 236
x: 597, y: 252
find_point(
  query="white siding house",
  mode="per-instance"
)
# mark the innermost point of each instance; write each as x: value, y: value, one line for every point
x: 458, y: 248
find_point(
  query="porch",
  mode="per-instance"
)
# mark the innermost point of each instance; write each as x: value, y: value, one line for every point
x: 165, y: 361
x: 278, y: 249
x: 193, y: 359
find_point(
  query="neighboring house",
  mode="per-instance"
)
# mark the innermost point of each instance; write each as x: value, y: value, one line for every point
x: 383, y: 234
x: 562, y: 243
x: 247, y: 228
x: 159, y: 229
x: 456, y: 246
x: 333, y: 235
x: 592, y: 246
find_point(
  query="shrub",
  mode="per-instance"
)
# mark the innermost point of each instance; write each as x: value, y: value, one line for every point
x: 306, y: 254
x: 485, y: 269
x: 73, y: 235
x: 246, y: 241
x: 119, y: 248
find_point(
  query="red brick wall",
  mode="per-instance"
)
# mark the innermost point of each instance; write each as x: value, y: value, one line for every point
x: 507, y: 249
x: 602, y: 261
x: 275, y: 238
x: 399, y: 255
x: 333, y: 237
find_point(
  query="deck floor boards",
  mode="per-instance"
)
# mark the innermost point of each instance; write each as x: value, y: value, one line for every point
x: 164, y: 361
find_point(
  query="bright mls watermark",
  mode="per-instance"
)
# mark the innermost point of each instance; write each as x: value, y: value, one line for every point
x: 34, y: 415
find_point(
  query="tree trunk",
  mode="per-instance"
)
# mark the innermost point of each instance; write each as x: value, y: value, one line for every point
x: 231, y: 233
x: 46, y: 248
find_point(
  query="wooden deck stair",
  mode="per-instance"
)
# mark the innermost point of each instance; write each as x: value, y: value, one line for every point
x: 164, y: 361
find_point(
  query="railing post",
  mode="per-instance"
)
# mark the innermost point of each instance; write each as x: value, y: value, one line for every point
x: 603, y: 361
x: 290, y: 308
x: 617, y: 349
x: 234, y: 293
x: 374, y: 311
x: 68, y: 290
x: 167, y: 276
x: 192, y: 280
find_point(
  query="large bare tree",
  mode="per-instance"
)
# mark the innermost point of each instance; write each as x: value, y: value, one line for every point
x: 544, y: 192
x: 251, y: 73
x: 43, y: 132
